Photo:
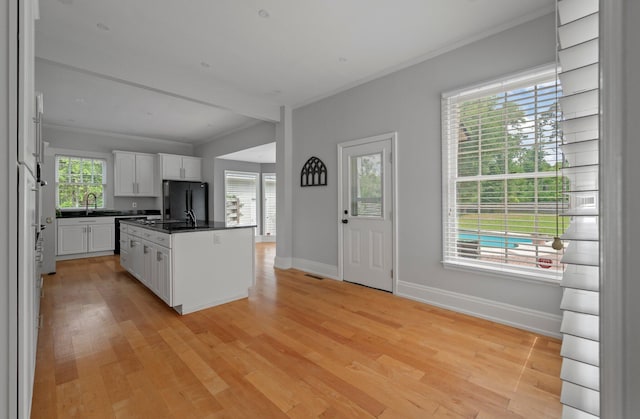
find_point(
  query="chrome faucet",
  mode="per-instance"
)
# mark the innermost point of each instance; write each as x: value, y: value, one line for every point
x: 86, y: 202
x: 191, y: 215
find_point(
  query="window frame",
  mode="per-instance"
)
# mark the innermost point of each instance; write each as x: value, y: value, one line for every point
x: 257, y: 197
x: 105, y: 170
x: 450, y: 165
x: 264, y: 177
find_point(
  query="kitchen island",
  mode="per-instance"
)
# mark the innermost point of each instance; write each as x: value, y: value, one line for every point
x: 190, y: 267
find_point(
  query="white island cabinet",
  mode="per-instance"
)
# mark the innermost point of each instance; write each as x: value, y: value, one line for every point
x: 190, y: 269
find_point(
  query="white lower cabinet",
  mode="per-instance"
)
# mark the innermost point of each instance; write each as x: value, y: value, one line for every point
x: 72, y: 239
x: 100, y: 237
x: 125, y: 258
x: 163, y: 274
x: 178, y: 267
x: 145, y: 255
x: 136, y: 265
x: 147, y: 276
x: 85, y: 235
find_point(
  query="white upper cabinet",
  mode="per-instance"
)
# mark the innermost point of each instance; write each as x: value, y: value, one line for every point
x: 176, y: 167
x: 145, y: 174
x: 134, y: 174
x: 192, y: 168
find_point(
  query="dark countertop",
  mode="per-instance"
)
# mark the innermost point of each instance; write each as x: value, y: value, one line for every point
x: 104, y: 213
x: 181, y: 226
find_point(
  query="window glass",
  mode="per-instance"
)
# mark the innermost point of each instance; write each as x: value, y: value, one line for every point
x: 241, y: 198
x: 502, y: 167
x: 78, y: 178
x: 366, y: 185
x: 269, y: 208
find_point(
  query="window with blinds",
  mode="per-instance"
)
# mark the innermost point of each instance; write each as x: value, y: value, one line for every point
x: 241, y: 198
x: 502, y: 185
x: 578, y: 56
x: 269, y: 207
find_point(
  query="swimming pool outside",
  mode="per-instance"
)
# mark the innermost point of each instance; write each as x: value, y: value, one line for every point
x: 486, y: 240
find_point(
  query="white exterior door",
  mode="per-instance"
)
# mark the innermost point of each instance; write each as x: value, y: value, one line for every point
x: 366, y: 190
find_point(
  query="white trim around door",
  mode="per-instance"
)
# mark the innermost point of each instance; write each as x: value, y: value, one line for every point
x: 393, y: 207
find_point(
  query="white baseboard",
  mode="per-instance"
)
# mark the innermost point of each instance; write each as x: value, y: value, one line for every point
x: 522, y: 318
x: 84, y: 255
x: 265, y: 239
x: 282, y: 262
x: 317, y: 268
x: 182, y: 309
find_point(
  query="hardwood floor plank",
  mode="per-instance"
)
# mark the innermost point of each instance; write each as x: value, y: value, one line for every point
x: 298, y: 347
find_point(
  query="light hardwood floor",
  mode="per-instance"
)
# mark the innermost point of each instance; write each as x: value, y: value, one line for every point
x: 297, y: 347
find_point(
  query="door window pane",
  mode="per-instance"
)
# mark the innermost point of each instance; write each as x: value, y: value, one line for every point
x: 366, y: 185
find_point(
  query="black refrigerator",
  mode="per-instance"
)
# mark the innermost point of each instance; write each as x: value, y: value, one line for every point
x: 178, y: 197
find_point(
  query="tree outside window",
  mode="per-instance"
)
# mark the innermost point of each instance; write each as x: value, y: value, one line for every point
x: 76, y: 177
x: 502, y: 160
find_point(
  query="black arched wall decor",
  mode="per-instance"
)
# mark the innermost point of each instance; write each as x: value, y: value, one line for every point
x: 314, y: 173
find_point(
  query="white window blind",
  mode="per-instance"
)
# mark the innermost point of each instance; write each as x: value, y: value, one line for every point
x: 241, y: 198
x: 502, y: 189
x: 578, y: 54
x: 269, y: 208
x: 78, y: 176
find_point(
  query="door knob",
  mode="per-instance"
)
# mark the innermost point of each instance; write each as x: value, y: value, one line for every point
x: 345, y: 221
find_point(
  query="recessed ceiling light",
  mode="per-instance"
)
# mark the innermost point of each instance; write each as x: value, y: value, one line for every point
x: 102, y: 26
x: 263, y: 13
x: 342, y: 59
x: 205, y: 64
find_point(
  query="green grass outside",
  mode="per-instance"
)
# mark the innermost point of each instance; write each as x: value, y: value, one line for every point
x: 513, y: 223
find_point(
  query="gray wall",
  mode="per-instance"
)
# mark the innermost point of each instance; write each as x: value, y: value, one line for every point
x: 213, y: 169
x: 217, y: 198
x: 59, y: 137
x: 253, y: 136
x: 89, y: 144
x: 219, y: 166
x: 112, y: 202
x: 8, y: 194
x: 408, y: 102
x: 268, y: 167
x: 631, y: 208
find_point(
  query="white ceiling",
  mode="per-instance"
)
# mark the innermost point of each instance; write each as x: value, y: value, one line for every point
x: 265, y: 153
x: 194, y: 70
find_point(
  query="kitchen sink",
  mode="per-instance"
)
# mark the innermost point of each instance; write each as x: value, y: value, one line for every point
x: 104, y: 213
x: 91, y: 213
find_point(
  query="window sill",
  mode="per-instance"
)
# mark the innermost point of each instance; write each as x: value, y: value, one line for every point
x: 504, y: 272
